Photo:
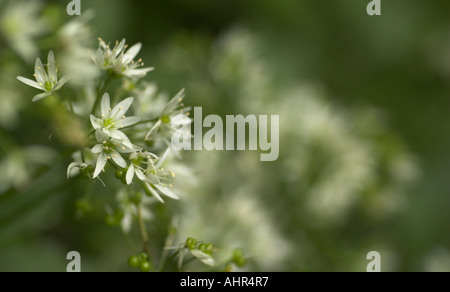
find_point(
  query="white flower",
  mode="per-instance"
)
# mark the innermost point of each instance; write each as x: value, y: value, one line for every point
x: 171, y: 118
x: 120, y: 60
x: 138, y: 158
x: 112, y: 120
x: 111, y: 150
x: 46, y: 81
x: 20, y: 24
x: 159, y: 180
x: 130, y: 210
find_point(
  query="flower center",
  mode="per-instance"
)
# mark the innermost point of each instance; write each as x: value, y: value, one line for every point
x: 165, y: 119
x: 108, y: 122
x: 48, y: 86
x: 109, y: 147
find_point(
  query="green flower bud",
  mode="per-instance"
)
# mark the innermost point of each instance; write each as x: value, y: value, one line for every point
x: 209, y: 248
x: 133, y: 262
x: 191, y: 243
x: 145, y: 267
x: 143, y: 257
x: 120, y: 173
x: 202, y: 247
x: 165, y: 119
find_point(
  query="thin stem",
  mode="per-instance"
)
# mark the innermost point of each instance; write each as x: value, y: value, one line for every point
x: 147, y: 121
x: 169, y: 242
x: 143, y: 229
x: 165, y: 262
x: 100, y: 91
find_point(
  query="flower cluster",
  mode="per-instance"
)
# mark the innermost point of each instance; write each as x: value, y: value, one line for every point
x: 121, y: 60
x: 111, y: 144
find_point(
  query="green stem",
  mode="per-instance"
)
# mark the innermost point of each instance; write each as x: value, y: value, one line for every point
x: 147, y: 121
x: 165, y: 262
x: 143, y: 230
x: 101, y: 88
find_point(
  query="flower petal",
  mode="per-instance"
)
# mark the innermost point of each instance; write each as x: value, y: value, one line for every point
x: 52, y: 67
x: 116, y: 134
x: 130, y: 175
x: 154, y: 193
x: 138, y: 73
x: 101, y: 135
x: 61, y: 83
x: 132, y: 53
x: 96, y: 123
x: 71, y: 166
x: 119, y: 110
x: 118, y: 159
x: 129, y: 121
x: 97, y: 149
x: 154, y: 179
x: 119, y: 48
x: 101, y: 162
x: 167, y: 192
x: 173, y: 103
x: 105, y: 105
x: 30, y: 82
x: 140, y: 174
x: 41, y: 75
x: 126, y: 222
x: 41, y: 96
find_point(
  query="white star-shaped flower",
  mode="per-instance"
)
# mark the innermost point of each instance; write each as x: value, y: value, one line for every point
x: 112, y: 120
x: 46, y: 81
x: 121, y: 60
x: 111, y: 150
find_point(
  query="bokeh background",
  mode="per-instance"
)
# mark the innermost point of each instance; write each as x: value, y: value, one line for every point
x: 364, y: 135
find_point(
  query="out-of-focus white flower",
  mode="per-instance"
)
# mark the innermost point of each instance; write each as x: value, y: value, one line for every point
x: 113, y: 120
x: 135, y: 168
x: 438, y: 261
x: 46, y: 81
x: 150, y: 102
x: 130, y: 210
x: 20, y: 25
x: 171, y: 118
x: 160, y: 180
x: 16, y: 169
x: 74, y: 39
x: 121, y: 60
x: 11, y: 102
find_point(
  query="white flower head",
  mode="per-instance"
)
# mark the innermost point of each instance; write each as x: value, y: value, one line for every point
x: 111, y: 150
x: 172, y: 117
x: 135, y: 169
x: 160, y: 180
x: 46, y: 80
x: 113, y: 120
x: 21, y: 24
x: 121, y: 60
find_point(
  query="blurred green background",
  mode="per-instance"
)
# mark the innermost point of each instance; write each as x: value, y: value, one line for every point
x: 364, y: 136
